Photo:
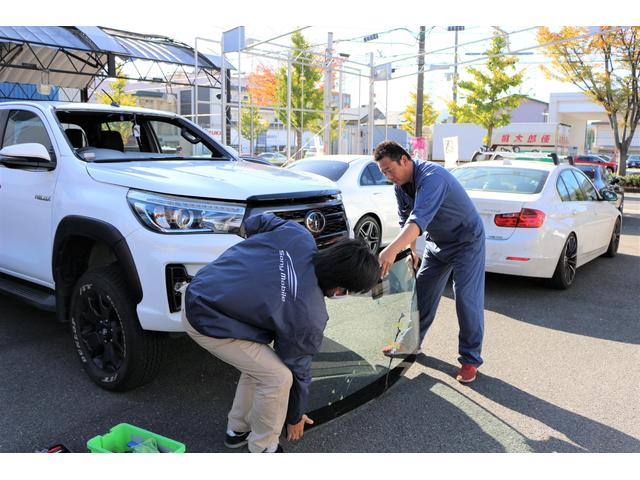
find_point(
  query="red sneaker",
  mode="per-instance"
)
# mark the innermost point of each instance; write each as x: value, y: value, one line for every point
x: 467, y: 374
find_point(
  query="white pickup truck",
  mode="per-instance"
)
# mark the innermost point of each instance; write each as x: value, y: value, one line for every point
x: 106, y: 210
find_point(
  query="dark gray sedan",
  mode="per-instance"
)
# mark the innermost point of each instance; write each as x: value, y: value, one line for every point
x: 633, y: 161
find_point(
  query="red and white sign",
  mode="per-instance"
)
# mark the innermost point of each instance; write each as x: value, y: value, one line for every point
x: 534, y: 135
x: 526, y: 138
x: 419, y: 147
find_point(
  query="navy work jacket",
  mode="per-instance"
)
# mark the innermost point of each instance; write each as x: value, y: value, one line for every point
x: 436, y: 202
x: 265, y: 290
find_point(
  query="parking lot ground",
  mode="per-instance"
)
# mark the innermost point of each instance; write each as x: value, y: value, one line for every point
x: 560, y: 375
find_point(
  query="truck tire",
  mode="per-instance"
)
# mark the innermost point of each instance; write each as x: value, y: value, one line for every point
x: 112, y: 347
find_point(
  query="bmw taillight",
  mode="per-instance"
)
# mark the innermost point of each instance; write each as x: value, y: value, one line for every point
x: 525, y: 218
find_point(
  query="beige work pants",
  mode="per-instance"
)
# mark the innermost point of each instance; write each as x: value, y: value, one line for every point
x: 262, y: 395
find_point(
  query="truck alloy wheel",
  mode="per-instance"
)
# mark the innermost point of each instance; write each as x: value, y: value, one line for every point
x: 114, y: 350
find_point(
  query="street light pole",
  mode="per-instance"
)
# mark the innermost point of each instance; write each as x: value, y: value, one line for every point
x: 420, y: 91
x: 371, y: 114
x: 455, y: 64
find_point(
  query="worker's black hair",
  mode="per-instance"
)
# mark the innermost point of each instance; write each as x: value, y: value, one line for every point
x: 347, y: 264
x: 390, y: 149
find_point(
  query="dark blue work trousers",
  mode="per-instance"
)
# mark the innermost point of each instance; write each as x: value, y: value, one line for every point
x: 466, y: 263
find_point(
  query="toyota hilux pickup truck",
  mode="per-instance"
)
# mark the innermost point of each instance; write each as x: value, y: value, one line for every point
x: 105, y: 212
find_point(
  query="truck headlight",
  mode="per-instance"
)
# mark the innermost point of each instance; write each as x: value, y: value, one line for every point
x: 171, y: 214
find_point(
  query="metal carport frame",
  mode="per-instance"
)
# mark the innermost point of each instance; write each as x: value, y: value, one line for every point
x: 83, y: 57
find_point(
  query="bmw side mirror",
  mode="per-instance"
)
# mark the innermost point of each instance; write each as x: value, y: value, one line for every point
x: 608, y: 195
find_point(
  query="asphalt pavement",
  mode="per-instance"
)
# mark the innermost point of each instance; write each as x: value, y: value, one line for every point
x: 560, y: 375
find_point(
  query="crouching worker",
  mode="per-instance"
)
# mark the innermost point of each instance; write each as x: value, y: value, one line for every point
x: 271, y: 288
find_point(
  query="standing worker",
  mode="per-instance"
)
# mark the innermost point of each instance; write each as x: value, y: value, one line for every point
x: 271, y: 288
x: 431, y: 200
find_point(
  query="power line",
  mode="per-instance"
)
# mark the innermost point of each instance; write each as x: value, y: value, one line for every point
x: 556, y: 42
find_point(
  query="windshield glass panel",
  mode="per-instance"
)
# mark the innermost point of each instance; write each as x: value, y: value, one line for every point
x: 351, y: 357
x: 172, y: 142
x: 501, y: 179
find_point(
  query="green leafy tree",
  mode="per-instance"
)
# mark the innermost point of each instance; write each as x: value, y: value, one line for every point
x: 252, y: 123
x: 306, y: 90
x: 488, y: 102
x: 121, y: 97
x: 429, y: 116
x: 606, y: 66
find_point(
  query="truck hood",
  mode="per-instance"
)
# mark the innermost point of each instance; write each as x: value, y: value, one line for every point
x: 228, y: 180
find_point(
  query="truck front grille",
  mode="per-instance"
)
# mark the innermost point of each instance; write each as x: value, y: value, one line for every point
x: 335, y: 220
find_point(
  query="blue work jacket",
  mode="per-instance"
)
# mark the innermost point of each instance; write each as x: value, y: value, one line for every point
x: 436, y: 202
x: 265, y: 290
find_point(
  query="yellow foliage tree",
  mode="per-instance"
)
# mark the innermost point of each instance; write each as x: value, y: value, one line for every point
x: 429, y: 116
x: 605, y: 64
x: 489, y: 100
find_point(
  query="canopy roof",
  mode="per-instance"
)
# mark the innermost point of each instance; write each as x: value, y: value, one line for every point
x: 75, y: 56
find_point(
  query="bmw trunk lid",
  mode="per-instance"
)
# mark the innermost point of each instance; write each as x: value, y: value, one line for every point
x: 488, y: 206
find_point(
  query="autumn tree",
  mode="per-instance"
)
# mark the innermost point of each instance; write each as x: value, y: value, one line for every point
x: 429, y: 116
x: 606, y: 67
x: 306, y: 91
x: 121, y: 97
x: 488, y: 100
x: 261, y: 86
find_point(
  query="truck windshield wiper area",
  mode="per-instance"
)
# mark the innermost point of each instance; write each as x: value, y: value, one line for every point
x: 174, y: 157
x: 106, y: 155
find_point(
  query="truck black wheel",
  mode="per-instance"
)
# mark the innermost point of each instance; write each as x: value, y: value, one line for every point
x: 113, y: 349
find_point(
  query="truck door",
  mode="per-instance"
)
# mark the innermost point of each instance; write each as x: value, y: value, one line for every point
x: 25, y: 201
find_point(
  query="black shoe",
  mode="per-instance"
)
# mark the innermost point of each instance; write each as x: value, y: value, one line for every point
x: 236, y: 441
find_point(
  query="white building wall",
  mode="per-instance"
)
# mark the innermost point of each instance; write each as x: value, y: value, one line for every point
x: 604, y: 140
x: 469, y: 139
x: 576, y: 109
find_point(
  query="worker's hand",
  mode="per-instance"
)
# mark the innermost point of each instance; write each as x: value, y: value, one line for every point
x: 387, y: 257
x: 295, y: 432
x: 415, y: 259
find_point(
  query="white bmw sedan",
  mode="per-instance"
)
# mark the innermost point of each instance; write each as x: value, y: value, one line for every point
x: 540, y: 219
x: 368, y: 197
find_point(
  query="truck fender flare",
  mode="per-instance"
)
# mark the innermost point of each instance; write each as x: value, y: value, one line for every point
x: 98, y: 230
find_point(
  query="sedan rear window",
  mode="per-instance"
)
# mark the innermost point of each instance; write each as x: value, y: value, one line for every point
x: 501, y: 179
x: 330, y: 169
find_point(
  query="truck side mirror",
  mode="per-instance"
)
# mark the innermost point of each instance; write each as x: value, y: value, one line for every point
x: 23, y: 155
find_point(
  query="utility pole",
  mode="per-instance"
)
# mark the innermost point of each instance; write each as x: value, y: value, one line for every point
x: 455, y: 64
x: 227, y: 106
x: 289, y: 107
x: 420, y: 94
x: 328, y: 80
